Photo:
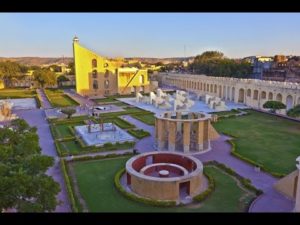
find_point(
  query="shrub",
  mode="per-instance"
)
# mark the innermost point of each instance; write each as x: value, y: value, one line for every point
x: 137, y: 198
x: 68, y: 111
x: 85, y: 158
x: 274, y: 105
x: 69, y: 186
x: 211, y: 187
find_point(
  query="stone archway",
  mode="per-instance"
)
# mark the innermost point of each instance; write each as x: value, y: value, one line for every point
x: 220, y: 91
x: 298, y: 102
x: 228, y: 93
x: 241, y: 95
x: 279, y: 97
x: 249, y: 93
x: 270, y: 97
x: 215, y: 88
x: 289, y: 102
x: 263, y: 95
x: 232, y: 93
x: 255, y: 95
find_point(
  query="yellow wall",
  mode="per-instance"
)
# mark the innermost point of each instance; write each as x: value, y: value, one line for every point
x: 83, y: 67
x: 1, y: 84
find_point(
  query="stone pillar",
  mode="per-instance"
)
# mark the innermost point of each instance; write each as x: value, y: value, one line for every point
x: 161, y: 134
x: 186, y: 136
x: 200, y: 135
x: 172, y: 136
x: 297, y: 200
x: 178, y: 116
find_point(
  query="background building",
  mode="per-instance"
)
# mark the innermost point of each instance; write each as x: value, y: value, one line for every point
x: 99, y: 76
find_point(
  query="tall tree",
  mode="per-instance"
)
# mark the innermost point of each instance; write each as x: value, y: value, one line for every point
x: 44, y: 77
x: 24, y: 184
x: 9, y: 71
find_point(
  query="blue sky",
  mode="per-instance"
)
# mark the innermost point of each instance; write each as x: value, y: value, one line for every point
x: 150, y: 34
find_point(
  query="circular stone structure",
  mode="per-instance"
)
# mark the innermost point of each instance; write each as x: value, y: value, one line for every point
x: 164, y: 175
x: 184, y: 131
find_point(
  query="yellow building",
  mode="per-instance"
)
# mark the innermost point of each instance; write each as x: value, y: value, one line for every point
x: 100, y: 76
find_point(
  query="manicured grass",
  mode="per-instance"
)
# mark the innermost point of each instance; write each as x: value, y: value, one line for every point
x: 146, y: 118
x: 140, y: 133
x: 266, y: 139
x: 227, y: 113
x: 113, y: 98
x: 96, y: 184
x: 17, y: 93
x: 74, y: 148
x: 122, y: 123
x: 63, y: 130
x: 58, y: 99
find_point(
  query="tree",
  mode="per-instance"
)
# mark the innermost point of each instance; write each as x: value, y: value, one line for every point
x: 71, y: 66
x: 24, y: 184
x: 61, y: 79
x: 9, y: 71
x: 294, y: 112
x: 274, y: 105
x: 68, y: 111
x: 44, y: 77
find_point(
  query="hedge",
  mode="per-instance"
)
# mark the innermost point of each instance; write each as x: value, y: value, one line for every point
x: 211, y: 187
x: 69, y: 186
x: 262, y: 167
x: 245, y: 182
x: 137, y: 198
x: 140, y: 133
x: 85, y: 158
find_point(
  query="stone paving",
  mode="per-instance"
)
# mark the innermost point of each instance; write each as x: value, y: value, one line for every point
x: 44, y: 100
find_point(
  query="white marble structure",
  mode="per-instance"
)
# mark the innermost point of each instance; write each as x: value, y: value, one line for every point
x: 6, y: 111
x: 215, y: 103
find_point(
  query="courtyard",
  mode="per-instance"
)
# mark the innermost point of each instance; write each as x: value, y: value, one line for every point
x: 100, y: 195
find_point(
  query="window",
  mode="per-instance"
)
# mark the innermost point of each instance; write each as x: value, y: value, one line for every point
x: 95, y: 84
x: 94, y: 63
x: 142, y: 79
x: 106, y: 74
x: 106, y: 83
x: 94, y: 73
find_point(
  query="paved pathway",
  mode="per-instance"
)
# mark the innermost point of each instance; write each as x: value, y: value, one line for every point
x: 80, y: 99
x: 146, y: 144
x: 36, y: 117
x: 44, y: 100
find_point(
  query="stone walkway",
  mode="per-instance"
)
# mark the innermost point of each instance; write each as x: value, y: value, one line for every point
x: 146, y: 144
x: 80, y: 99
x: 44, y: 100
x: 36, y: 118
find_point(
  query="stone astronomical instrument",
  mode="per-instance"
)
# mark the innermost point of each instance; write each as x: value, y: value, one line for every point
x: 164, y: 175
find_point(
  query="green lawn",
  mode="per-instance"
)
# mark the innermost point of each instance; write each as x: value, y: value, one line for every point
x: 74, y: 148
x: 96, y: 184
x: 265, y: 139
x: 17, y: 93
x: 63, y: 130
x: 146, y: 118
x: 227, y: 113
x: 57, y: 98
x: 139, y: 133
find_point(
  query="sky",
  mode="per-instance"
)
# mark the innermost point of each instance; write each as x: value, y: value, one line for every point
x: 237, y: 35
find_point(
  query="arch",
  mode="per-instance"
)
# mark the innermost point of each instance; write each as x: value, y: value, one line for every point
x: 106, y: 74
x: 289, y: 102
x: 241, y: 95
x: 142, y: 79
x: 215, y: 88
x: 249, y: 93
x: 232, y: 93
x: 211, y: 88
x: 201, y: 86
x: 224, y: 91
x: 207, y: 87
x: 94, y: 63
x: 279, y: 97
x: 263, y: 95
x: 220, y: 91
x: 95, y: 84
x: 106, y: 83
x: 298, y: 101
x: 270, y: 97
x: 228, y: 93
x: 255, y: 95
x: 94, y: 73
